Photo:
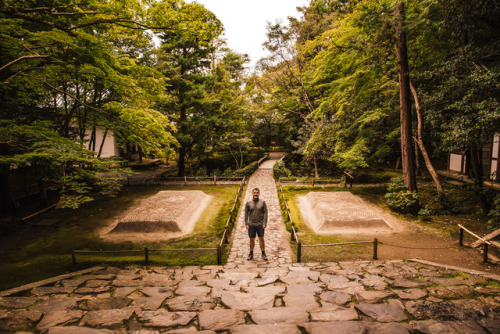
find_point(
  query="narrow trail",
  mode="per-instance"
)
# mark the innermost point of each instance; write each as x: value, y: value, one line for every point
x: 277, y: 244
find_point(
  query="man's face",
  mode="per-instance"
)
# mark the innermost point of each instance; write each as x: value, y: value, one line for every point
x: 255, y: 194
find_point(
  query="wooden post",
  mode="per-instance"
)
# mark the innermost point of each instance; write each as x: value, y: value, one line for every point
x: 375, y: 250
x: 219, y: 255
x: 146, y: 255
x: 215, y: 180
x: 350, y: 182
x: 225, y: 235
x: 485, y: 252
x: 299, y: 251
x: 73, y: 257
x: 461, y: 237
x: 185, y: 180
x: 313, y: 183
x: 292, y: 232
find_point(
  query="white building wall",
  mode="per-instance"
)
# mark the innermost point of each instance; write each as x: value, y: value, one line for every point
x: 110, y: 147
x: 456, y: 162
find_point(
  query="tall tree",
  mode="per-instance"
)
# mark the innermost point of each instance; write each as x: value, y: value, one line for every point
x: 185, y: 57
x: 407, y: 154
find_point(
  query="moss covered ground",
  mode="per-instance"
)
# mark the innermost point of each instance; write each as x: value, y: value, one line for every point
x: 37, y: 251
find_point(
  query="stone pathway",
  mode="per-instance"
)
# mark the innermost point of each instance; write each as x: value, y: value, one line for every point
x: 276, y: 238
x: 346, y: 297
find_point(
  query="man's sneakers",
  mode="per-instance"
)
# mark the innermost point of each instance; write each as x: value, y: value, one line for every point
x: 250, y: 256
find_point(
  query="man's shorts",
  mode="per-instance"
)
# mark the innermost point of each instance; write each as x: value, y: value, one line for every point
x: 253, y: 230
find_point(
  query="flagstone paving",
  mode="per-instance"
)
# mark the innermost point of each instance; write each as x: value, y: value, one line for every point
x: 260, y: 298
x: 276, y: 238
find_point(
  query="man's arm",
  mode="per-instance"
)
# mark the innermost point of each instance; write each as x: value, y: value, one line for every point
x: 264, y: 207
x: 247, y: 213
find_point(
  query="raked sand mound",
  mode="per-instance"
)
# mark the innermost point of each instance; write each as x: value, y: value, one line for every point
x: 167, y: 214
x: 343, y: 212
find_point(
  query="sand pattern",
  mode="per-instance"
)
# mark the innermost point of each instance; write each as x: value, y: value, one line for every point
x: 169, y: 213
x: 343, y: 212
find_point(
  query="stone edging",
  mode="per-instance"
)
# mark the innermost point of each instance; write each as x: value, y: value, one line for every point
x: 465, y: 270
x: 47, y: 281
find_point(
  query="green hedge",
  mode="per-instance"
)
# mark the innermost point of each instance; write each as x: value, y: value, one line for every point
x: 247, y: 170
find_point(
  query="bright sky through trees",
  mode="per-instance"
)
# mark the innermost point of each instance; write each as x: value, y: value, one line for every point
x: 245, y: 21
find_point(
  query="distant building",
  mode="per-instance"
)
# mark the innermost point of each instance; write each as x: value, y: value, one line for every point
x: 457, y: 161
x: 104, y: 139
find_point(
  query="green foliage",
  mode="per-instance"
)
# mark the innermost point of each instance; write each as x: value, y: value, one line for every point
x: 247, y: 170
x: 280, y: 170
x: 398, y: 197
x: 494, y: 214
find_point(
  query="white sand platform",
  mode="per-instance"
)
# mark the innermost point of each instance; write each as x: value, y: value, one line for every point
x: 343, y: 212
x: 167, y: 214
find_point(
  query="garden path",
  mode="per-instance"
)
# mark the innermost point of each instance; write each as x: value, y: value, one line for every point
x: 277, y: 245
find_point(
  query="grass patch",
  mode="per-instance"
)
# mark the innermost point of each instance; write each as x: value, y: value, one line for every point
x: 38, y: 252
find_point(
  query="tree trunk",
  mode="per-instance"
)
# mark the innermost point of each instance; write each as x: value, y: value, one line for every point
x: 140, y: 154
x: 43, y: 193
x: 241, y: 157
x: 417, y: 159
x: 477, y: 174
x: 102, y: 143
x: 6, y: 205
x: 182, y: 161
x: 420, y: 141
x: 315, y: 161
x: 183, y: 132
x: 407, y: 157
x: 234, y: 157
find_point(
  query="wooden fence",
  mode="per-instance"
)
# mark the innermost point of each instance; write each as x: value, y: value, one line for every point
x: 147, y: 251
x: 229, y: 223
x: 182, y: 180
x: 480, y: 241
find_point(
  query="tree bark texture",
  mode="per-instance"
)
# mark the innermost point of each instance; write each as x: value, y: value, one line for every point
x: 407, y: 156
x: 420, y: 141
x: 478, y: 176
x: 315, y: 161
x: 182, y: 149
x: 6, y: 205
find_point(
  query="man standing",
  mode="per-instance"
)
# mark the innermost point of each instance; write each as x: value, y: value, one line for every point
x: 256, y: 222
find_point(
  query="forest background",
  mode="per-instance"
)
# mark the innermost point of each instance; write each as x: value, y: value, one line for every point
x: 158, y: 75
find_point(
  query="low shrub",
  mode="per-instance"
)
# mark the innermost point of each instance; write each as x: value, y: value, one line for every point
x: 280, y: 170
x: 247, y: 170
x: 494, y: 214
x: 399, y: 198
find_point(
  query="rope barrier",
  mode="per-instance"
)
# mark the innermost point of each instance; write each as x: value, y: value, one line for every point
x: 407, y: 247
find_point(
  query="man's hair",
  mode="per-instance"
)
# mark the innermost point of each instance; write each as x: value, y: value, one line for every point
x: 256, y: 189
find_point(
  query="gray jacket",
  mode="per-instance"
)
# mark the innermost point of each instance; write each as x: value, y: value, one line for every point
x: 256, y: 213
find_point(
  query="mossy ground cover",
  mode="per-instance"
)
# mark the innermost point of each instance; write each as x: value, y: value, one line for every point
x: 37, y: 252
x: 441, y: 224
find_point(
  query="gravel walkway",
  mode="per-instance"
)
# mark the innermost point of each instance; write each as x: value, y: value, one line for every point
x: 276, y: 238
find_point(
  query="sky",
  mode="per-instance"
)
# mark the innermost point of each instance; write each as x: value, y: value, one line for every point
x: 245, y: 21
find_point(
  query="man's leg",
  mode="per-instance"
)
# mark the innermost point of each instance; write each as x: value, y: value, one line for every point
x: 252, y: 243
x: 261, y: 244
